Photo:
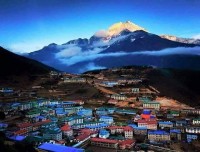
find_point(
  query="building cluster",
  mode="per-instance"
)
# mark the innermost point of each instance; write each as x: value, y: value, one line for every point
x: 56, y: 125
x: 62, y: 123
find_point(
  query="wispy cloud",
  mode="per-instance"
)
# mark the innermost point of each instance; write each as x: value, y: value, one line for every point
x: 95, y: 54
x: 69, y: 51
x: 197, y: 36
x: 102, y: 33
x: 90, y: 66
x: 71, y: 54
x: 171, y: 51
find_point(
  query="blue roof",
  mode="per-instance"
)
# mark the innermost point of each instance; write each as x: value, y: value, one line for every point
x: 61, y: 112
x: 59, y: 148
x: 41, y: 117
x: 17, y: 138
x: 85, y: 112
x: 138, y: 128
x: 57, y: 109
x: 97, y: 126
x: 175, y: 131
x: 158, y: 132
x: 3, y: 124
x: 103, y: 132
x: 132, y: 125
x: 181, y: 121
x: 106, y: 117
x: 16, y: 104
x: 146, y: 111
x: 165, y: 122
x: 68, y: 102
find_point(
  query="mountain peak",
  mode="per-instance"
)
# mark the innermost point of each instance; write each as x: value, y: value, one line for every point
x: 116, y: 28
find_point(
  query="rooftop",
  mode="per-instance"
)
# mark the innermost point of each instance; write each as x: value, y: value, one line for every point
x: 24, y: 125
x: 20, y: 132
x: 103, y: 132
x: 158, y: 132
x: 175, y: 131
x: 97, y: 126
x: 82, y: 137
x: 65, y: 128
x: 52, y: 130
x: 148, y: 121
x: 17, y: 138
x: 58, y: 148
x: 151, y: 102
x: 106, y: 117
x: 166, y: 122
x: 128, y: 128
x: 104, y: 140
x: 127, y: 142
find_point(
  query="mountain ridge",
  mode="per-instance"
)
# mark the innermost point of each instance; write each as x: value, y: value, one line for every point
x: 125, y: 37
x: 182, y: 40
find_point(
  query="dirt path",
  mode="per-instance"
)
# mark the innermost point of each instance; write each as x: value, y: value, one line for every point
x: 104, y: 90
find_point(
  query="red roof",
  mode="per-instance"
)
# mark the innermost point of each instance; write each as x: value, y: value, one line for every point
x: 104, y: 140
x: 65, y: 128
x: 24, y: 125
x: 145, y: 116
x: 82, y: 137
x: 20, y: 132
x: 61, y: 142
x: 87, y: 131
x: 124, y: 128
x: 41, y: 122
x: 147, y: 121
x: 127, y: 142
x: 128, y: 128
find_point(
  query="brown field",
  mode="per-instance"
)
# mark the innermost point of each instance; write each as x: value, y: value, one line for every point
x: 170, y: 103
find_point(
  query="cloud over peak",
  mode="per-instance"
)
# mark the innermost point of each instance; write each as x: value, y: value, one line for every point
x: 102, y: 33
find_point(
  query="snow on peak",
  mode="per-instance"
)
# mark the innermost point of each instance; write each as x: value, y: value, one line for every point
x: 116, y: 28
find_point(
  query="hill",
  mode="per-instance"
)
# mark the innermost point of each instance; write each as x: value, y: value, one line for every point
x: 181, y: 85
x: 17, y: 69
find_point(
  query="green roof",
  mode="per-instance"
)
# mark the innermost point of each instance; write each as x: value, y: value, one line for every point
x: 71, y: 118
x: 120, y: 137
x: 150, y: 102
x: 174, y: 112
x: 34, y: 139
x: 196, y: 119
x: 52, y: 131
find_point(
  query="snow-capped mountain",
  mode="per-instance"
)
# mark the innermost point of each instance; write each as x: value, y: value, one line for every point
x: 79, y: 41
x: 117, y: 28
x: 182, y: 40
x: 119, y: 40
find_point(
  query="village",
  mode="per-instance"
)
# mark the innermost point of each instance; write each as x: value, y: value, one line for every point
x: 128, y: 115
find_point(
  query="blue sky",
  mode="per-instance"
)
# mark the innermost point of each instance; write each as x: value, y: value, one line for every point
x: 28, y: 25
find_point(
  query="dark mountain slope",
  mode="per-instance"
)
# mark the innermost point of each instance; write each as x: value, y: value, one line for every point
x: 143, y: 41
x: 13, y: 66
x: 182, y: 85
